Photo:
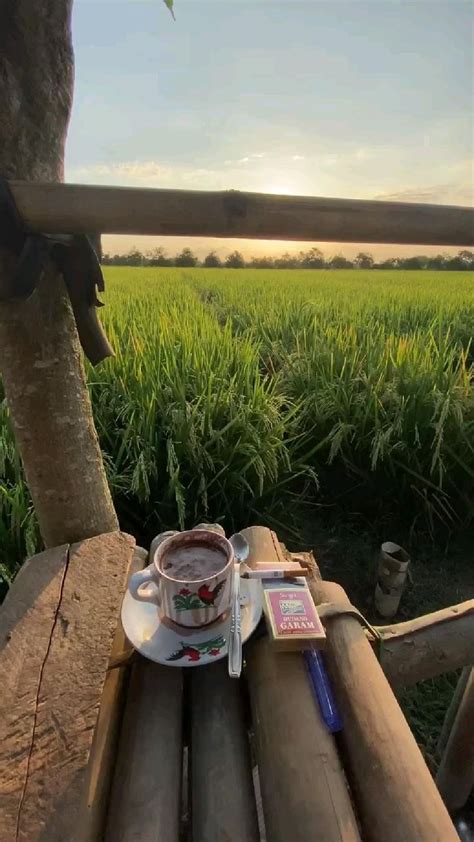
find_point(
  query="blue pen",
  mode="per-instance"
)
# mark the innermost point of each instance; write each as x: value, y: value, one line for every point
x: 322, y: 690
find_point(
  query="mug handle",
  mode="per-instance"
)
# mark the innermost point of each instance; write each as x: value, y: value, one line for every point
x: 142, y: 577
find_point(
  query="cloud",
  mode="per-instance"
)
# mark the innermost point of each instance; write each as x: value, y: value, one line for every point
x: 444, y: 194
x: 143, y: 174
x: 254, y: 156
x: 297, y: 157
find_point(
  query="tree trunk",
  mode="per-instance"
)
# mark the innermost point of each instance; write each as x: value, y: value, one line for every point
x: 40, y: 357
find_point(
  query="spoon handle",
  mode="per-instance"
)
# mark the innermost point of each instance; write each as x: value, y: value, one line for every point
x: 235, y: 638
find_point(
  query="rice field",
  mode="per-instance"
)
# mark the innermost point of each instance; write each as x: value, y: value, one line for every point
x: 238, y: 394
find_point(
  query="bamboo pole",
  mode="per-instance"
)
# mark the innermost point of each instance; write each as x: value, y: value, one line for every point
x: 453, y: 709
x: 396, y: 795
x: 455, y: 776
x: 304, y: 790
x: 145, y: 798
x: 428, y: 646
x: 223, y: 802
x: 72, y: 208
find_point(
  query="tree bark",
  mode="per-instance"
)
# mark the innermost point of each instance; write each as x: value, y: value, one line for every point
x: 40, y: 358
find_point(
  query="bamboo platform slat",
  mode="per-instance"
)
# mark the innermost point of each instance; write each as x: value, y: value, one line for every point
x: 304, y: 791
x: 396, y: 795
x: 223, y: 802
x: 58, y: 626
x: 146, y: 790
x: 75, y: 209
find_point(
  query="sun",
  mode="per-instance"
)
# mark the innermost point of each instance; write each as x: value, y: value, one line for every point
x: 285, y: 188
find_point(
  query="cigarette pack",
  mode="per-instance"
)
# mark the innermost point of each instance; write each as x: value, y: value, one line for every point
x: 292, y: 618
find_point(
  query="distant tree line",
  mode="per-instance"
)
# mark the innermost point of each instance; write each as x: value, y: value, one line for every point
x: 311, y: 259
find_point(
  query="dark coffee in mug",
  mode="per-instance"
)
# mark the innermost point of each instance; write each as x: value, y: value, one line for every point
x: 192, y: 562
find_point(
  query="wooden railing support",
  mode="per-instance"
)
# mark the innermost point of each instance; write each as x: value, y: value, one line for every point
x: 428, y: 646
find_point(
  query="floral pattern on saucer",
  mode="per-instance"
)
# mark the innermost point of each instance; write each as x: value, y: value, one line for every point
x: 193, y: 653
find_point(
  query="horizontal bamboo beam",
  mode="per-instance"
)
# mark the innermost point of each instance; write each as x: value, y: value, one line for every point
x: 76, y: 209
x: 429, y: 645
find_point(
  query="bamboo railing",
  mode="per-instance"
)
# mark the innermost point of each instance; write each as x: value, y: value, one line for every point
x: 75, y: 209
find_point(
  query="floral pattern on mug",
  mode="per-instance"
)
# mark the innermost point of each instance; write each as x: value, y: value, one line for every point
x: 193, y: 653
x: 186, y: 600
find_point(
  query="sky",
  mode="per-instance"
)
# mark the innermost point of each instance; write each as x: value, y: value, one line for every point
x: 369, y: 99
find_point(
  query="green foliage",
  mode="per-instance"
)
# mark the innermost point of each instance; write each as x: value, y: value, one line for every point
x: 18, y: 530
x: 170, y: 4
x: 212, y: 261
x: 186, y: 259
x: 236, y: 394
x: 234, y: 260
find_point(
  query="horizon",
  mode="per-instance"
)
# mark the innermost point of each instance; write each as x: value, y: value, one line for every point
x: 275, y: 97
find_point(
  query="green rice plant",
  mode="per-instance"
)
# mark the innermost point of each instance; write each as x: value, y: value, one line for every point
x: 19, y: 536
x: 190, y: 425
x: 237, y: 394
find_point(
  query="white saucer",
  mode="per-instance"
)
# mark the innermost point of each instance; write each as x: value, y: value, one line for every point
x: 160, y: 640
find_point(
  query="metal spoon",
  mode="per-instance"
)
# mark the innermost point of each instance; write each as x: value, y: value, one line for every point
x: 241, y: 551
x: 241, y: 547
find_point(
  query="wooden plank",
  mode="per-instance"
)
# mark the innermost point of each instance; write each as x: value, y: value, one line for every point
x: 106, y: 734
x: 146, y: 790
x: 71, y: 679
x: 396, y: 795
x: 428, y: 646
x: 455, y: 776
x: 72, y: 208
x: 223, y: 802
x: 304, y: 791
x: 27, y: 619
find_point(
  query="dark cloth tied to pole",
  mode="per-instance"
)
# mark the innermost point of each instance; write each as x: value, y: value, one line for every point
x: 76, y: 260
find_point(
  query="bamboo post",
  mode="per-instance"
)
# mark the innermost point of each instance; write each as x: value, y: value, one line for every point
x: 453, y: 709
x: 396, y: 795
x: 455, y: 776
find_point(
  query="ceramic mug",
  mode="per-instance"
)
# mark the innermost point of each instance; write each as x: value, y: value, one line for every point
x: 191, y: 602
